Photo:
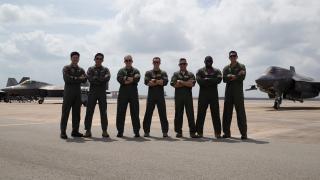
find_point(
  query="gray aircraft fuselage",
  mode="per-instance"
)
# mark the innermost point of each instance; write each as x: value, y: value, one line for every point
x: 34, y: 88
x: 281, y: 83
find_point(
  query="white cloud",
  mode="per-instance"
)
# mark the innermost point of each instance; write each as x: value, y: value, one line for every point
x: 10, y: 13
x: 281, y: 33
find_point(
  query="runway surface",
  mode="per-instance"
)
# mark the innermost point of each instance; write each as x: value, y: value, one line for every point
x: 283, y: 144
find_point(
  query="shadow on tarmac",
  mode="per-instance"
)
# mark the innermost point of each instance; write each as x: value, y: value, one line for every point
x: 169, y: 139
x: 294, y: 108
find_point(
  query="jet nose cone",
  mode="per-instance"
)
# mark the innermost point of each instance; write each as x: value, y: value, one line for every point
x: 259, y: 81
x: 263, y: 81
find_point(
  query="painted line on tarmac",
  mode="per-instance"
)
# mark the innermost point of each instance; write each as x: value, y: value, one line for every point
x: 22, y: 124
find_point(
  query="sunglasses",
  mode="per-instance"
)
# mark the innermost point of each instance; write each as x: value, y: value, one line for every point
x: 233, y: 56
x: 156, y: 62
x: 128, y: 60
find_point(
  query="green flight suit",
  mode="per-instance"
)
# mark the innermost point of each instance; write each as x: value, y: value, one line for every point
x: 183, y: 99
x: 72, y: 96
x: 128, y: 93
x: 156, y: 97
x: 234, y: 97
x: 208, y: 80
x: 98, y: 78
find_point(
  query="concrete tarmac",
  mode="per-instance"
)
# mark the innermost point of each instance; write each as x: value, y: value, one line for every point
x: 282, y: 144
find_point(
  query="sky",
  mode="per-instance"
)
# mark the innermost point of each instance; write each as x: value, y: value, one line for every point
x: 36, y: 37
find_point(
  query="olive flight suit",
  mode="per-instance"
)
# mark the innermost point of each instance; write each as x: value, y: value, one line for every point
x: 72, y: 96
x: 128, y: 93
x: 183, y: 99
x: 208, y: 80
x: 234, y: 97
x: 98, y: 77
x: 156, y: 97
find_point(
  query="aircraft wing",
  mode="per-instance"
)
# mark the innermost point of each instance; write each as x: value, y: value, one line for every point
x: 303, y: 80
x: 316, y: 84
x: 298, y: 77
x: 52, y: 91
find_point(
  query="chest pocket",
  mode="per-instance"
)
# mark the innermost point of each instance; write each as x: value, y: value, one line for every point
x: 96, y: 72
x: 186, y: 77
x: 158, y: 76
x: 153, y: 75
x: 75, y: 71
x: 209, y: 74
x: 103, y: 72
x: 236, y: 70
x: 130, y: 73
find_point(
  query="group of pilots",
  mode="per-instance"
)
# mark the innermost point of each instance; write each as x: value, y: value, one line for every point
x: 182, y: 80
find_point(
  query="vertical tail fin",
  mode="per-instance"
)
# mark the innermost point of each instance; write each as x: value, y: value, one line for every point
x: 11, y: 82
x: 292, y: 69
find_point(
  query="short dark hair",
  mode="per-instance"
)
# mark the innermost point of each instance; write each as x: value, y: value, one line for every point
x: 233, y: 53
x: 208, y: 58
x: 182, y: 59
x: 98, y: 54
x: 155, y: 58
x: 74, y: 53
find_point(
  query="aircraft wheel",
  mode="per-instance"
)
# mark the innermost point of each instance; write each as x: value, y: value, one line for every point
x: 276, y: 105
x: 40, y: 101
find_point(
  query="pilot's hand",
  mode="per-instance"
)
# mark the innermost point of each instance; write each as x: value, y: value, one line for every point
x: 233, y: 77
x: 159, y: 82
x: 189, y: 83
x: 178, y: 84
x: 152, y: 83
x: 242, y: 72
x: 130, y: 79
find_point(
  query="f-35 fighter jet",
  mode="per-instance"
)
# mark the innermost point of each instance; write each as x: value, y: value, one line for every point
x: 280, y: 83
x: 32, y: 90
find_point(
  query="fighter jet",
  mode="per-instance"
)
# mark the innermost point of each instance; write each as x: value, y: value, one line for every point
x: 35, y: 90
x: 2, y: 95
x: 280, y: 83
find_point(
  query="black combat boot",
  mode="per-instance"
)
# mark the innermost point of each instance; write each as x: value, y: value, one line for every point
x: 63, y: 135
x: 226, y: 136
x: 105, y: 134
x: 194, y: 135
x: 179, y: 135
x: 76, y: 134
x: 165, y: 135
x: 120, y: 134
x: 244, y: 137
x: 87, y: 134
